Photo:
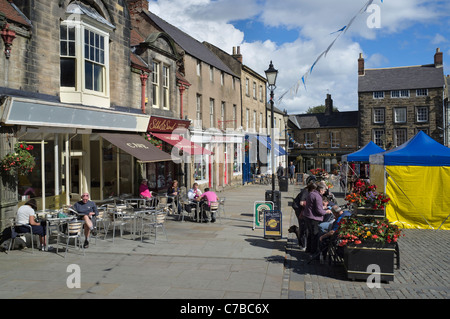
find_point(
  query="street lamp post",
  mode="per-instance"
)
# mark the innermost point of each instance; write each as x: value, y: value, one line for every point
x: 271, y: 75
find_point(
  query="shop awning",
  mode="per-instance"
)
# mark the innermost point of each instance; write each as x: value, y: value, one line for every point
x: 266, y: 140
x: 183, y: 144
x: 137, y: 146
x: 39, y: 113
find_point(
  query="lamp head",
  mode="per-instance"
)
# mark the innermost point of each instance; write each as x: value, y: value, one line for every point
x: 271, y: 74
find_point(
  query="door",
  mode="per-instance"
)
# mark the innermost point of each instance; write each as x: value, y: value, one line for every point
x: 76, y: 173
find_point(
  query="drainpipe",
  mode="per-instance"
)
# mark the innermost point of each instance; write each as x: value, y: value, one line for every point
x: 144, y: 77
x: 182, y: 88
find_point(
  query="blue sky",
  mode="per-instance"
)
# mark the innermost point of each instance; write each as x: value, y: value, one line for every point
x: 294, y: 33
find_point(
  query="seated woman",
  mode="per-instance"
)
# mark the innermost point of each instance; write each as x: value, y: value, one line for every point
x: 173, y: 192
x: 144, y: 192
x: 26, y: 215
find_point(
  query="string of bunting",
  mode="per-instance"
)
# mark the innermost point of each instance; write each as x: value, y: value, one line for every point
x: 339, y: 32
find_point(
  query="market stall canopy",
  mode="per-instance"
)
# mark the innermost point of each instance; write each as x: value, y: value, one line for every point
x: 183, y: 144
x: 415, y: 176
x: 363, y: 154
x: 421, y: 150
x: 137, y: 146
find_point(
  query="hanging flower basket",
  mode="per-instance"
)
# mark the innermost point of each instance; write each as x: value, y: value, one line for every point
x: 154, y: 141
x: 20, y: 161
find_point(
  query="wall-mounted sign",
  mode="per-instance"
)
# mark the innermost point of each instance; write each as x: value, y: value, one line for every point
x: 162, y: 124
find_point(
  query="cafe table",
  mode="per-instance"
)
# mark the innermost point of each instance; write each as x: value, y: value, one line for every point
x: 53, y: 219
x: 135, y: 202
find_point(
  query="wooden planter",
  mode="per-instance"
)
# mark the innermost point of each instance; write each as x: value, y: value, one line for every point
x: 358, y: 258
x: 363, y: 213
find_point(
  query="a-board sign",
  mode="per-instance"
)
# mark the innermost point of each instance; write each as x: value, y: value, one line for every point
x: 258, y: 213
x: 273, y: 224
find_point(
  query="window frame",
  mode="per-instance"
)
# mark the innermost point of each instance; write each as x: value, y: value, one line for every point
x: 212, y: 111
x: 397, y: 115
x: 378, y: 95
x: 378, y: 139
x: 80, y: 93
x: 399, y: 94
x: 155, y: 80
x: 309, y: 140
x: 418, y: 108
x: 376, y: 116
x: 165, y: 87
x: 404, y: 131
x: 418, y: 92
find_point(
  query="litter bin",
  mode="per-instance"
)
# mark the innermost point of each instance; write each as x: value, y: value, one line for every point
x: 283, y: 183
x: 275, y: 198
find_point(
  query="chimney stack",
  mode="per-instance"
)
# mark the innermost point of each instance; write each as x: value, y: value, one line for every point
x: 237, y: 55
x: 438, y: 58
x: 136, y: 6
x: 328, y: 105
x: 361, y: 65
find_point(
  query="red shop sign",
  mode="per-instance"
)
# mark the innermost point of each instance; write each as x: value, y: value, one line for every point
x: 161, y: 124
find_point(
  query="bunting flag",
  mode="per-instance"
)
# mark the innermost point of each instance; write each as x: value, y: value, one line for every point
x: 339, y: 32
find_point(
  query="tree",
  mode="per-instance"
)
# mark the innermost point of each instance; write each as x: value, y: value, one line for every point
x: 319, y: 109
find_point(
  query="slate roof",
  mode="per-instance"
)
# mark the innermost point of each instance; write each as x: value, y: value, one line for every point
x: 189, y: 44
x: 321, y: 120
x: 12, y: 13
x: 401, y: 78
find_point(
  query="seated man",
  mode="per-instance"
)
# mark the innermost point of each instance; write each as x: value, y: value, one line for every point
x: 338, y: 215
x: 194, y: 195
x: 327, y: 233
x: 327, y: 219
x: 208, y: 197
x: 87, y: 210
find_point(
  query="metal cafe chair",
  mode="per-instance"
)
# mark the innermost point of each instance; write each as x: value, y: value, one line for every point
x: 212, y: 208
x: 70, y: 230
x: 154, y: 221
x: 15, y: 234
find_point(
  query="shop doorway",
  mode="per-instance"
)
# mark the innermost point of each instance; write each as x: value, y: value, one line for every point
x: 76, y: 175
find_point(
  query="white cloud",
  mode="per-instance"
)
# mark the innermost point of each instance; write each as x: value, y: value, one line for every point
x: 210, y: 20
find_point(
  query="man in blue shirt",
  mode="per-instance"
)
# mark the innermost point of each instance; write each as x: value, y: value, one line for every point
x: 87, y: 210
x: 338, y: 215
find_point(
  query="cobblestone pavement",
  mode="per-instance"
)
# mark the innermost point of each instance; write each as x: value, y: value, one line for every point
x: 424, y: 272
x: 224, y: 260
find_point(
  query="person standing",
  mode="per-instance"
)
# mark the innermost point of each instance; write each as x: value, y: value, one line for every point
x: 87, y: 211
x: 280, y: 172
x: 313, y: 214
x: 292, y: 172
x: 299, y: 205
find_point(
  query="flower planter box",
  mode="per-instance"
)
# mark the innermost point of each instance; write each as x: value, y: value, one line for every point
x: 364, y: 213
x: 358, y: 258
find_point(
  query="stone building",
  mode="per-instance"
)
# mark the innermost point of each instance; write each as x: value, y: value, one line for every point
x: 212, y: 104
x: 71, y: 86
x: 395, y: 103
x: 163, y: 89
x: 319, y: 140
